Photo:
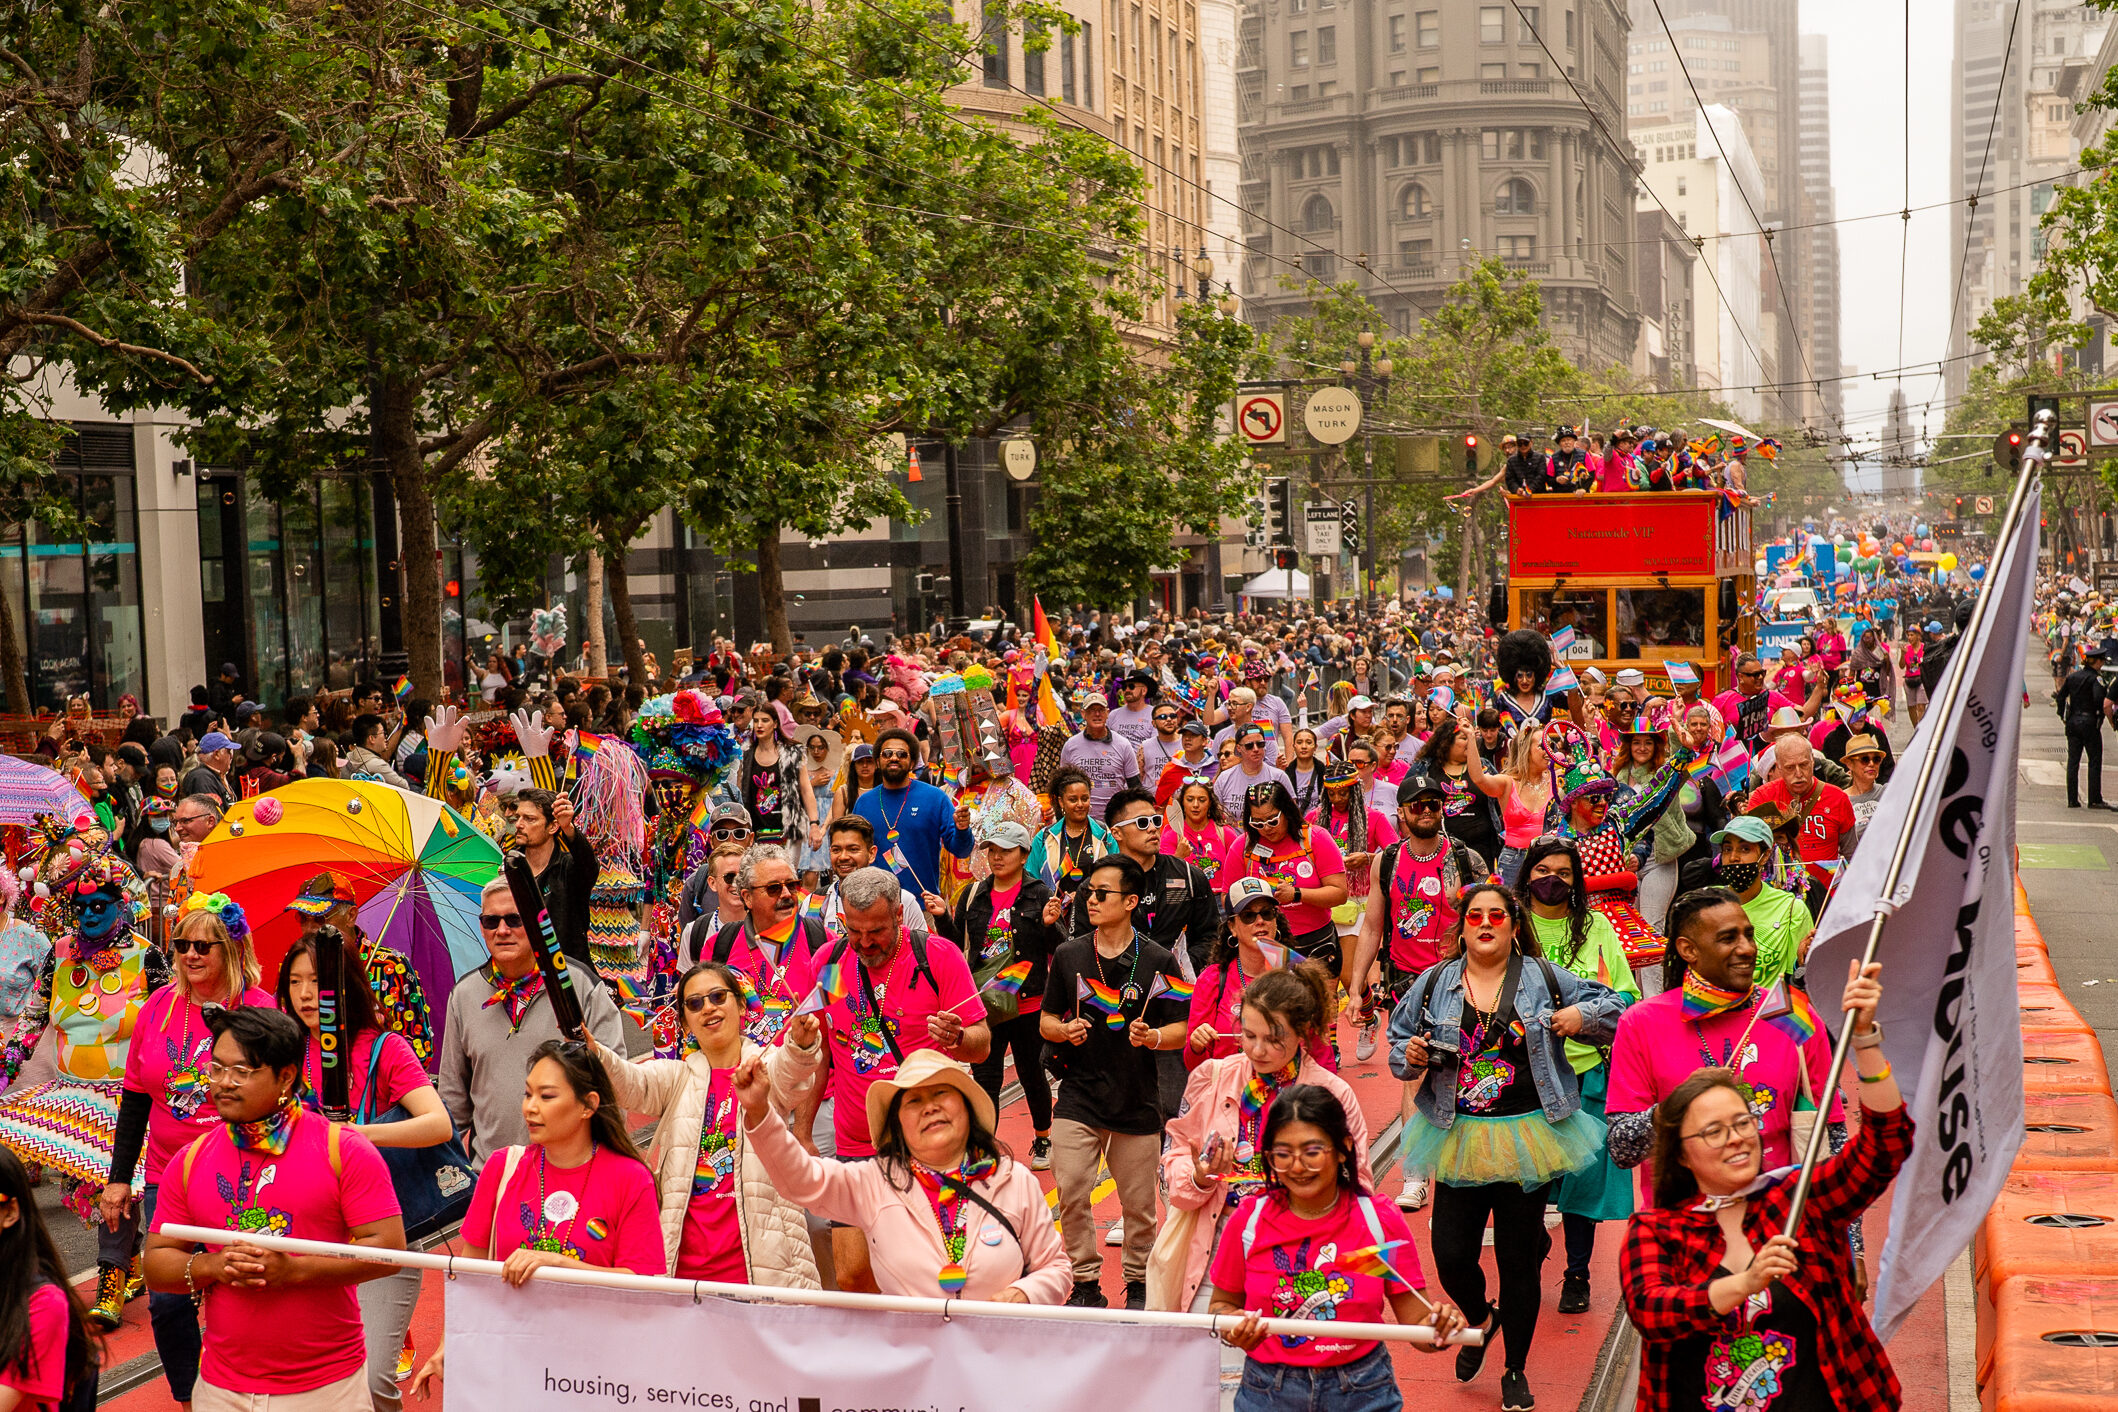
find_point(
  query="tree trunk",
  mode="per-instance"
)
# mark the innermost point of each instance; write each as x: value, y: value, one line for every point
x: 772, y: 589
x: 12, y: 675
x: 592, y: 610
x: 629, y: 646
x: 420, y: 600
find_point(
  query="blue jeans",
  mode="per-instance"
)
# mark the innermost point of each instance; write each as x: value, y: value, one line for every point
x: 1367, y: 1384
x: 176, y: 1323
x: 1509, y: 864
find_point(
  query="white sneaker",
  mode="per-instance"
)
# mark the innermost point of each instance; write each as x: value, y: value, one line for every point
x: 1115, y: 1235
x: 1364, y: 1038
x: 1413, y: 1194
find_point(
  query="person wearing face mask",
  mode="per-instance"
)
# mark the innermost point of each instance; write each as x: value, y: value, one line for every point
x: 1724, y: 1295
x: 152, y: 852
x: 1500, y: 1116
x: 90, y: 990
x: 1580, y: 939
x: 1779, y: 919
x: 1215, y: 1155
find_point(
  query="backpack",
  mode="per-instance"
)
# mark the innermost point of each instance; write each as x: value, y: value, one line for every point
x: 1457, y: 859
x: 1367, y: 1206
x: 918, y: 942
x: 1000, y: 1005
x: 724, y: 939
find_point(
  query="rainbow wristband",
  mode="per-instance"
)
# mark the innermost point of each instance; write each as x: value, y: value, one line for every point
x: 1877, y: 1078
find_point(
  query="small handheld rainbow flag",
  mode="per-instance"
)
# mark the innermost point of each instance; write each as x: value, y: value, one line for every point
x: 1009, y: 978
x: 1371, y: 1260
x: 1275, y: 955
x: 1102, y: 997
x: 1175, y: 987
x: 1788, y: 1010
x: 832, y: 985
x: 403, y: 689
x: 1700, y: 767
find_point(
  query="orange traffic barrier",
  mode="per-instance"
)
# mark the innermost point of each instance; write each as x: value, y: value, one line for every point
x: 2069, y: 1132
x: 2046, y: 1007
x: 2033, y: 966
x: 2054, y: 1346
x: 2063, y: 1061
x: 2051, y: 1224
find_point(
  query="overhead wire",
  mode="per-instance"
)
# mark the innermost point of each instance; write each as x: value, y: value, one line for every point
x: 1963, y: 268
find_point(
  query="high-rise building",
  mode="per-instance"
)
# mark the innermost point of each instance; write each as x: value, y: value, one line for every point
x: 1219, y: 142
x: 1898, y: 445
x: 2019, y: 71
x: 1817, y: 295
x: 1732, y: 346
x: 1391, y: 142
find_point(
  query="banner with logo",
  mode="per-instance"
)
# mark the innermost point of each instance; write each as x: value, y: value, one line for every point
x: 563, y: 1348
x: 1951, y: 1026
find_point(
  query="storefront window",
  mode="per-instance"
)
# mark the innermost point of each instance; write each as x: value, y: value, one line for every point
x: 1585, y: 610
x: 1650, y: 619
x: 265, y: 552
x: 80, y: 601
x: 301, y: 549
x: 351, y: 617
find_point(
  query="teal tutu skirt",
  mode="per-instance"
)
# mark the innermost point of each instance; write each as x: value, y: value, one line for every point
x: 1528, y: 1149
x: 1601, y: 1191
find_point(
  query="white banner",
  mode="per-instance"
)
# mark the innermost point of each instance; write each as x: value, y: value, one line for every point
x: 1951, y: 1027
x: 566, y: 1348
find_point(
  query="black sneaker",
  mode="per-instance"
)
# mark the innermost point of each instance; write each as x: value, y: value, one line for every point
x: 1136, y: 1294
x: 1515, y: 1392
x: 1040, y: 1154
x: 1573, y: 1294
x: 1087, y: 1295
x: 1470, y: 1357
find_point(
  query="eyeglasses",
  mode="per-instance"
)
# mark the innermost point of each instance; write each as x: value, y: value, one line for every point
x: 200, y: 944
x: 1310, y: 1153
x: 234, y: 1073
x: 493, y: 922
x: 717, y: 997
x: 728, y: 831
x: 1143, y: 823
x: 770, y: 889
x: 187, y: 818
x: 1722, y: 1134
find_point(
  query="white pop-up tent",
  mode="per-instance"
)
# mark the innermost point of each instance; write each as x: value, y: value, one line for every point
x: 1273, y: 584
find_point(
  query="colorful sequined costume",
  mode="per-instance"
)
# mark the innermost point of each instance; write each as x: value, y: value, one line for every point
x: 1606, y: 851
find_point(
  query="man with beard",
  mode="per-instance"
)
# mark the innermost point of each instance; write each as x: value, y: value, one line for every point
x: 1748, y: 706
x: 564, y: 862
x: 1412, y: 889
x: 1165, y: 743
x: 904, y: 991
x: 912, y: 820
x: 1780, y: 920
x: 1134, y: 720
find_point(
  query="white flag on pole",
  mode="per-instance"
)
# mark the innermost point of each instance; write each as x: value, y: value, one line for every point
x: 1951, y: 1029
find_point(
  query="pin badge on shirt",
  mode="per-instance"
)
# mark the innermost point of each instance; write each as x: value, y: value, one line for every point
x: 560, y: 1206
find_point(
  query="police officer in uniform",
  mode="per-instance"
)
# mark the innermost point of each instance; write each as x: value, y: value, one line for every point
x: 2082, y: 702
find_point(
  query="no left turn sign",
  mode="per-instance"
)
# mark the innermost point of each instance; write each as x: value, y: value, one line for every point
x: 1262, y: 417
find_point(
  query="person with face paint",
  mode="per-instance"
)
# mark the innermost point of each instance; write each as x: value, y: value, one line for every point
x: 89, y: 992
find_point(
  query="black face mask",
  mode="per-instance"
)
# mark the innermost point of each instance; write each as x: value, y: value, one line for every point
x: 1737, y: 877
x: 1550, y: 890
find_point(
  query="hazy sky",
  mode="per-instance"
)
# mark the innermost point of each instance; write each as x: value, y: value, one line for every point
x: 1867, y: 41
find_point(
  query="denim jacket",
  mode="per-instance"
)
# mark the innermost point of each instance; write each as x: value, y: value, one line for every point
x: 1438, y: 996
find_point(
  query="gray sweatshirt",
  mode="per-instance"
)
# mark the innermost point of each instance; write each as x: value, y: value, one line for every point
x: 483, y: 1065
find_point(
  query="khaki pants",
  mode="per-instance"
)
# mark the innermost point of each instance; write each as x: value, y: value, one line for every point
x: 1132, y: 1162
x: 347, y: 1395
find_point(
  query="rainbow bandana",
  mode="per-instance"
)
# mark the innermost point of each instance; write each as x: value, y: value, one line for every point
x: 269, y: 1134
x: 945, y: 1191
x: 516, y: 995
x: 1703, y: 1001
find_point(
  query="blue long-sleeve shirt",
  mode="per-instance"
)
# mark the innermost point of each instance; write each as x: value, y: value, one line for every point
x: 923, y: 821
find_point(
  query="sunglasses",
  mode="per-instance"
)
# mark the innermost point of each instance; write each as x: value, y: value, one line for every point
x: 1104, y: 894
x: 1264, y: 822
x: 200, y: 944
x: 728, y: 831
x: 1143, y: 823
x: 1258, y: 912
x: 1421, y: 806
x: 494, y: 922
x: 716, y: 997
x: 770, y: 889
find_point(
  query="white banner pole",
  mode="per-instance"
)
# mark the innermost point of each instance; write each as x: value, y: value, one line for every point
x: 830, y: 1299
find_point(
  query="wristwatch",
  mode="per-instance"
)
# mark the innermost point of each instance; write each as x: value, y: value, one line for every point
x: 1871, y: 1039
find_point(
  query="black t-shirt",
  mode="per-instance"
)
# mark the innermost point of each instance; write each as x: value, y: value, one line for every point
x: 1495, y: 1081
x: 1773, y: 1353
x: 1110, y: 1082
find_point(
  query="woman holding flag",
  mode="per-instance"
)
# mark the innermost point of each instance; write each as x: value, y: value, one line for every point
x: 722, y: 1217
x: 1215, y: 1153
x: 1733, y: 1310
x: 1254, y: 941
x: 1301, y: 863
x: 1313, y: 1243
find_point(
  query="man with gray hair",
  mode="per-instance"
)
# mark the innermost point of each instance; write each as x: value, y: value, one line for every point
x: 903, y: 991
x: 498, y: 1015
x: 1826, y: 814
x: 766, y: 944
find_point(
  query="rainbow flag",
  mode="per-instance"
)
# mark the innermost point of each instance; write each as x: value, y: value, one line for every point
x: 1101, y: 997
x: 1700, y: 767
x: 1788, y: 1010
x: 1041, y: 629
x: 1275, y: 955
x: 1175, y: 987
x: 832, y: 985
x: 701, y: 811
x: 403, y: 689
x: 1371, y: 1260
x: 1009, y: 978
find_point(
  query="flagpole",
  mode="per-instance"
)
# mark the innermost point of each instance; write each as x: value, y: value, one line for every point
x: 2034, y: 458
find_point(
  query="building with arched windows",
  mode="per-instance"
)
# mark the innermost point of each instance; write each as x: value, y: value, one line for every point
x: 1391, y: 141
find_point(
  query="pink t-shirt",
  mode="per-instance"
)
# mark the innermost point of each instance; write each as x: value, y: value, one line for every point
x: 998, y: 932
x: 1657, y: 1048
x: 1213, y: 846
x: 1217, y: 1000
x: 1827, y: 819
x: 397, y: 1073
x: 171, y: 1047
x: 1421, y: 911
x: 294, y: 1339
x: 40, y: 1376
x: 1380, y: 836
x: 711, y: 1247
x: 1287, y: 1246
x: 603, y: 1212
x: 860, y: 1046
x: 1305, y: 864
x: 772, y: 975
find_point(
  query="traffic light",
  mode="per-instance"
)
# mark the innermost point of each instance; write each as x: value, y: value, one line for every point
x: 2007, y: 450
x: 1279, y: 510
x: 1349, y: 529
x: 2043, y: 404
x: 1286, y: 559
x: 1470, y: 452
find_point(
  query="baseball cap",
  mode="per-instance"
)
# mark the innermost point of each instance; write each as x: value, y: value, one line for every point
x: 1936, y: 626
x: 1008, y: 834
x: 244, y: 710
x: 862, y: 750
x: 1244, y: 891
x: 730, y: 813
x: 1193, y: 726
x: 1419, y: 782
x: 1747, y: 827
x: 215, y: 741
x: 1360, y: 703
x: 322, y: 895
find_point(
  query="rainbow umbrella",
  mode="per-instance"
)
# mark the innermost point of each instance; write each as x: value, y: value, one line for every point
x: 416, y: 865
x: 27, y: 790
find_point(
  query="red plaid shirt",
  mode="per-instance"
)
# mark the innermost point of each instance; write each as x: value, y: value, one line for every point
x: 1669, y: 1255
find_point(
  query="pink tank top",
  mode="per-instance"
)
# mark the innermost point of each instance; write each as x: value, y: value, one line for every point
x: 1519, y: 824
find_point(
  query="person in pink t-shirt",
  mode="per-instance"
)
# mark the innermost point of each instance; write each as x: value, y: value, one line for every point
x: 1201, y: 837
x: 896, y: 993
x: 1313, y: 1245
x: 53, y: 1352
x: 578, y: 1196
x: 274, y: 1325
x: 1301, y: 862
